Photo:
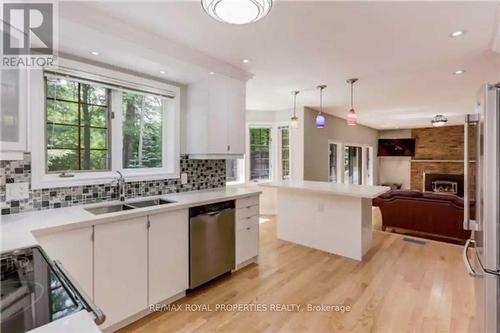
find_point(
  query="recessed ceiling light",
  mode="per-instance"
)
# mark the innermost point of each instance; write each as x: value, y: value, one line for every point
x: 94, y: 53
x: 459, y: 72
x: 211, y: 73
x: 245, y: 61
x: 162, y: 72
x: 457, y: 33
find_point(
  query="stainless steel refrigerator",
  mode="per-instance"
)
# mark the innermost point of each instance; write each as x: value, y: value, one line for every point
x: 481, y: 169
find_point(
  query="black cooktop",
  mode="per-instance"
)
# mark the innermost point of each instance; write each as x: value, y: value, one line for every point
x: 33, y: 292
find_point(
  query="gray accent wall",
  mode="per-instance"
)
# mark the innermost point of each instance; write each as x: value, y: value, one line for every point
x: 316, y: 143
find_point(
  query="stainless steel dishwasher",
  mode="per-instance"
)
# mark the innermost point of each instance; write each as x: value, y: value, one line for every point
x: 211, y: 242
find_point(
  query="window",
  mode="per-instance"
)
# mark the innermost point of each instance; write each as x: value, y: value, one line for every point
x: 260, y: 150
x: 235, y: 171
x: 92, y: 125
x: 142, y: 130
x: 353, y: 166
x: 333, y: 162
x: 77, y: 124
x: 231, y: 170
x: 284, y: 140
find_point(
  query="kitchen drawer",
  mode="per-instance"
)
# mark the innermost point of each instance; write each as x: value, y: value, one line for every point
x: 247, y: 202
x: 242, y: 213
x: 247, y: 243
x: 247, y: 222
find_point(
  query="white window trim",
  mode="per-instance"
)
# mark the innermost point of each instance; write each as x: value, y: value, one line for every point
x: 272, y: 127
x: 340, y: 161
x: 41, y: 179
x: 279, y: 159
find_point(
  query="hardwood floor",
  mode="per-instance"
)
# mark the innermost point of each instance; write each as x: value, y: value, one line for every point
x: 399, y: 287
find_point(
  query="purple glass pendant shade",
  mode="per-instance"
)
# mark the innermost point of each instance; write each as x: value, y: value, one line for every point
x: 320, y: 120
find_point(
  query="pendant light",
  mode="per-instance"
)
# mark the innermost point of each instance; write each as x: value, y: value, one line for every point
x: 294, y: 121
x: 237, y: 11
x: 320, y: 118
x: 439, y: 120
x: 352, y: 117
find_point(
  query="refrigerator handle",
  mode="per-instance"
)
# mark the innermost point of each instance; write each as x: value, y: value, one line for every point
x: 467, y: 223
x: 466, y: 260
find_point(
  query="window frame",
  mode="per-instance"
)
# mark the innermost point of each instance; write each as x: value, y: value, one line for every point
x: 272, y: 129
x: 339, y: 161
x: 279, y: 133
x: 367, y: 164
x: 240, y: 172
x: 171, y: 127
x: 109, y: 130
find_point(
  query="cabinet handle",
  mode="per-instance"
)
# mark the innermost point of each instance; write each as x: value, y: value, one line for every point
x: 228, y: 147
x: 248, y: 228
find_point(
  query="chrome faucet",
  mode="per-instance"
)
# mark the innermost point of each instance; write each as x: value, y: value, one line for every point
x: 120, y: 184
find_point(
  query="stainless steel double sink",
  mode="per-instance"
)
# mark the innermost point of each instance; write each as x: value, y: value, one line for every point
x: 127, y: 206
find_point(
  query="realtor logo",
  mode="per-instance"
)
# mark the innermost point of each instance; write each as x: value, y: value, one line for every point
x: 28, y: 34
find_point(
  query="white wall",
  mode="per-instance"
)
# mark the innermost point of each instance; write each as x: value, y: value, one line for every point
x: 395, y: 169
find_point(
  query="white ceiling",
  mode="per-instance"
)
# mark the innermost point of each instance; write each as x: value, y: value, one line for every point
x: 400, y: 51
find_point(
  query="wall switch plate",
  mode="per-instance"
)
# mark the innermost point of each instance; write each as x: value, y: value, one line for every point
x: 16, y: 191
x: 184, y: 178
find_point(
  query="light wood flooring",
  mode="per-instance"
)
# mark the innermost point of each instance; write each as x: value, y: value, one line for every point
x: 399, y: 287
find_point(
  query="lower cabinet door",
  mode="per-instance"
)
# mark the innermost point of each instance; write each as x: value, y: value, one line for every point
x: 247, y: 243
x: 168, y: 255
x: 73, y: 248
x: 120, y: 268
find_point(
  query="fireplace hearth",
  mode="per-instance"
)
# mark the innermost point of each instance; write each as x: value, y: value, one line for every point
x: 444, y: 183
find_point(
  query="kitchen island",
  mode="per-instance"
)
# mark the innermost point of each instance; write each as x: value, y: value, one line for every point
x: 335, y: 218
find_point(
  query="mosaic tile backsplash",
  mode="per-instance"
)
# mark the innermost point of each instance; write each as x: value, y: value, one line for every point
x: 202, y: 174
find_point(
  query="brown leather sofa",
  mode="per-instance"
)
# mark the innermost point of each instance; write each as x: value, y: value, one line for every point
x: 438, y: 214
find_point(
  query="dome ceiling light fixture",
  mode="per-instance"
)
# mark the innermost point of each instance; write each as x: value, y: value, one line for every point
x: 320, y: 118
x: 352, y: 117
x: 237, y: 11
x: 294, y: 121
x: 439, y: 120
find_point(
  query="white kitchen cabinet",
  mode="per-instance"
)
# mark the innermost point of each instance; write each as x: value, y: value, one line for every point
x: 247, y: 244
x: 73, y: 248
x: 247, y: 230
x: 121, y: 268
x: 168, y: 255
x: 13, y: 113
x: 215, y: 118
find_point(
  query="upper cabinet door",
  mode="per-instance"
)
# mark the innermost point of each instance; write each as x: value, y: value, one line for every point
x: 215, y: 119
x: 217, y: 124
x: 13, y: 104
x: 235, y: 115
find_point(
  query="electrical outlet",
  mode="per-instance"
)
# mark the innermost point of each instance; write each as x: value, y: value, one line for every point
x: 16, y: 191
x: 184, y: 178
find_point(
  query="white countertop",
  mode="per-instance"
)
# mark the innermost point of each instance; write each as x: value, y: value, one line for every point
x: 81, y: 322
x: 18, y: 230
x: 358, y: 191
